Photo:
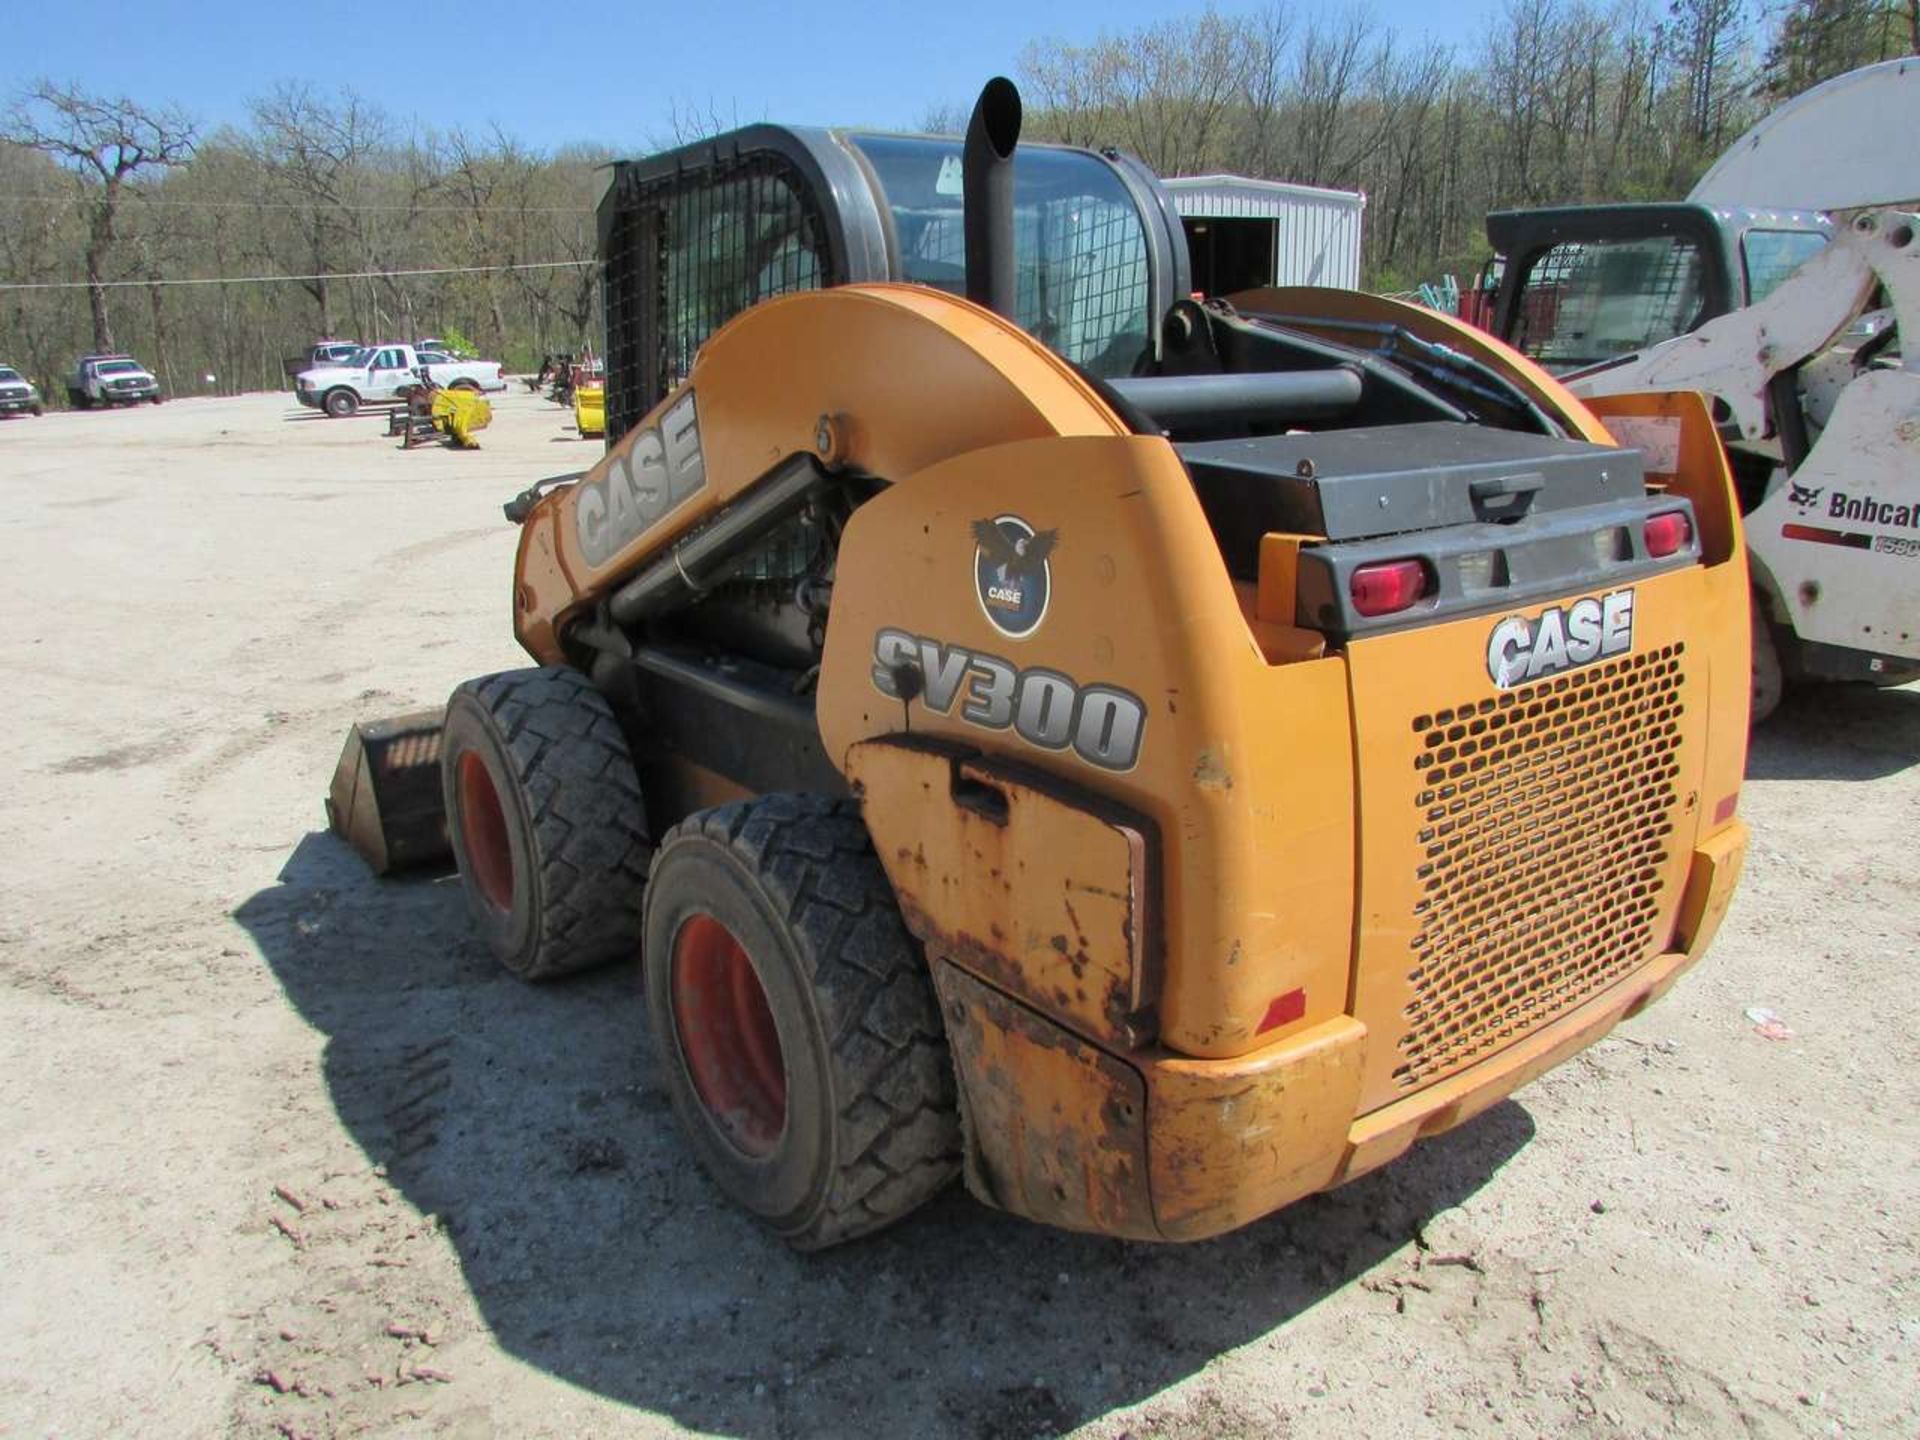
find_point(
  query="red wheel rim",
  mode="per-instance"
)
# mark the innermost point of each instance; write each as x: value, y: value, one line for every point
x: 483, y: 831
x: 728, y: 1037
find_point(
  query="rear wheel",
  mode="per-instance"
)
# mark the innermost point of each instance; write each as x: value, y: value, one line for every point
x: 340, y: 403
x: 545, y: 815
x: 796, y: 1020
x: 465, y: 385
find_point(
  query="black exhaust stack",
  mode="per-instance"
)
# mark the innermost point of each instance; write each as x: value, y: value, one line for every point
x: 987, y: 175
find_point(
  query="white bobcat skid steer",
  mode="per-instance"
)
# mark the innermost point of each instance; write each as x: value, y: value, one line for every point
x: 1815, y: 378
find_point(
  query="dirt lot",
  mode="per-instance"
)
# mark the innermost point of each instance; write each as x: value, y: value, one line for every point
x: 286, y: 1154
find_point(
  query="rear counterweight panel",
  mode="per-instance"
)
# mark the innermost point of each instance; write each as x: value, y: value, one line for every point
x: 1522, y: 848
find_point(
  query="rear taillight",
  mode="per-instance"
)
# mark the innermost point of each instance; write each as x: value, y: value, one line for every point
x: 1390, y: 586
x: 1668, y: 534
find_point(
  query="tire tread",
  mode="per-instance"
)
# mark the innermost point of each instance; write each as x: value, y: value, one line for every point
x: 897, y: 1130
x: 585, y: 809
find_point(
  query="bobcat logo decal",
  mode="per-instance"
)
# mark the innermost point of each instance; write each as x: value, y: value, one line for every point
x: 1803, y: 497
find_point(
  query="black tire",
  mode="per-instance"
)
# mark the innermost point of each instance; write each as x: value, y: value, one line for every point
x: 1769, y: 684
x: 79, y: 399
x: 545, y: 815
x: 340, y: 403
x: 38, y: 408
x: 864, y: 1127
x: 465, y: 385
x: 153, y: 399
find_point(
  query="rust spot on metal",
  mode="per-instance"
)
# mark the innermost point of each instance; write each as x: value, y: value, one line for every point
x: 1056, y: 1127
x: 1210, y: 770
x: 1075, y: 937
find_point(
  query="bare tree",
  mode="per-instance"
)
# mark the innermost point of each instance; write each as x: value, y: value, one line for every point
x: 107, y: 142
x: 950, y: 117
x: 316, y: 152
x: 1329, y: 64
x: 688, y: 121
x: 1268, y: 38
x: 1708, y: 36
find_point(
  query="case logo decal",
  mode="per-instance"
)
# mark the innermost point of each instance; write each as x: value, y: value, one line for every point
x: 649, y: 473
x: 1011, y: 574
x: 1560, y: 638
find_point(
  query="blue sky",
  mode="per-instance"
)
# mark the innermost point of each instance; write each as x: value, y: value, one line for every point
x: 547, y: 79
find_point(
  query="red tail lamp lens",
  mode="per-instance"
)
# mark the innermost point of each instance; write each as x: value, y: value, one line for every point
x: 1668, y: 534
x: 1284, y: 1010
x: 1396, y: 584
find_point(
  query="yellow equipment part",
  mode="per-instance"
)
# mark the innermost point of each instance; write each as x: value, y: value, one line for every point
x: 590, y: 408
x: 1315, y: 903
x: 459, y: 414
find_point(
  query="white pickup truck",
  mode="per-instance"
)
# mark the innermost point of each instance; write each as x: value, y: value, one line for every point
x: 383, y: 374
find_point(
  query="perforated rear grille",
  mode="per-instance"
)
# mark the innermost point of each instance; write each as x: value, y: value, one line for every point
x: 1545, y: 817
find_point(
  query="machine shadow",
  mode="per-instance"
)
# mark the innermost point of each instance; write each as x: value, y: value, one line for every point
x: 597, y: 1251
x: 1838, y: 732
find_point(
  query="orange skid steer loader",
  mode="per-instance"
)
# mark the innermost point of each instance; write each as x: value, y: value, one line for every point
x: 1157, y: 758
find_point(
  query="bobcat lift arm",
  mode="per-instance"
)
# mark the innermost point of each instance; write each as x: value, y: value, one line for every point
x: 1808, y: 382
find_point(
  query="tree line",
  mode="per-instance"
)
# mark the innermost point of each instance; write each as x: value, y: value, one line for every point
x: 119, y: 201
x: 1557, y: 102
x: 380, y: 229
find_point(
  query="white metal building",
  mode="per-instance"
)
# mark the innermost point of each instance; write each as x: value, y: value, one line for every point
x: 1243, y: 232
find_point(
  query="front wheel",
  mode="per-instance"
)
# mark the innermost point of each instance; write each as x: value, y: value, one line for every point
x: 340, y: 403
x: 546, y: 819
x: 796, y: 1021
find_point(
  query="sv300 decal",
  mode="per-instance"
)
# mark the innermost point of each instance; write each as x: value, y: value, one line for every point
x: 1102, y: 724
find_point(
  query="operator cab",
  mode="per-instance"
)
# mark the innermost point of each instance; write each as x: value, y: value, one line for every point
x: 692, y: 237
x: 1585, y: 286
x: 1089, y: 257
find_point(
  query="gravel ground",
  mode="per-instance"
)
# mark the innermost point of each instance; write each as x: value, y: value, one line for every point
x: 285, y: 1154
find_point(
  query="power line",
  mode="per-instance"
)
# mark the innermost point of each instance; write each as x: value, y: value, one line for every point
x: 504, y: 209
x: 272, y: 279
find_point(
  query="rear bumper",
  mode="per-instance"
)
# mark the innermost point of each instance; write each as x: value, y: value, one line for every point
x: 1163, y: 1147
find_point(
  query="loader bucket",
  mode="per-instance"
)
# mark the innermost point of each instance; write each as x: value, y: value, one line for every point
x: 386, y: 800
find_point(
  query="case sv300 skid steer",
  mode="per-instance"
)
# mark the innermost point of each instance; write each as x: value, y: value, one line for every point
x: 1158, y: 759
